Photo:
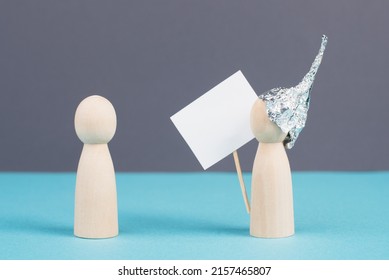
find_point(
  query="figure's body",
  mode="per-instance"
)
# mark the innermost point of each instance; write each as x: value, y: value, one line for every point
x: 271, y: 188
x: 95, y: 214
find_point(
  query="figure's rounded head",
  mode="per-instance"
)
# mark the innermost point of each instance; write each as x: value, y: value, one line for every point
x: 262, y: 127
x: 95, y: 120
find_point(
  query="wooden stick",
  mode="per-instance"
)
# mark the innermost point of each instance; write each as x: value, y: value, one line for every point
x: 241, y: 181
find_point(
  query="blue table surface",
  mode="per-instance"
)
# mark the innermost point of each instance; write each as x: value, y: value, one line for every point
x: 338, y: 215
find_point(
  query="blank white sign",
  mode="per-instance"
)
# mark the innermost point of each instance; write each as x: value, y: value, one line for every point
x: 218, y: 122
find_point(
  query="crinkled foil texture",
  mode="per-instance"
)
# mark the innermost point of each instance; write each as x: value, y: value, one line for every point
x: 288, y: 112
x: 288, y: 107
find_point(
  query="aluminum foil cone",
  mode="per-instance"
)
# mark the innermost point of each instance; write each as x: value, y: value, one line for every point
x: 288, y: 107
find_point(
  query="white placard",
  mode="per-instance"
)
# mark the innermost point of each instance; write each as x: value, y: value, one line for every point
x: 218, y: 122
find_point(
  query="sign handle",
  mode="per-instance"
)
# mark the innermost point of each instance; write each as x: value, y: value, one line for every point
x: 241, y: 182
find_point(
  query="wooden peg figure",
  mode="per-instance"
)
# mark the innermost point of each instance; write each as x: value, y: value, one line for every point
x: 271, y: 188
x: 277, y: 118
x: 95, y: 214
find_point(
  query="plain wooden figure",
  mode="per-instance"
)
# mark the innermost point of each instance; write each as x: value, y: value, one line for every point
x: 95, y: 214
x: 271, y: 189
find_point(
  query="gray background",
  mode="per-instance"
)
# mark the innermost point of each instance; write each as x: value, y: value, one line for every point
x: 151, y: 58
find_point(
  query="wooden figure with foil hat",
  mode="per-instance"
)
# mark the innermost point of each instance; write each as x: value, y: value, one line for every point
x: 277, y: 118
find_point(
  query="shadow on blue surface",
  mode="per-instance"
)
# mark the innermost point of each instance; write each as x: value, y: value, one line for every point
x: 144, y: 224
x: 36, y: 227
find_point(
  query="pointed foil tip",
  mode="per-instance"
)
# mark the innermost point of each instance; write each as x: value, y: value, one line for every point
x: 288, y: 107
x: 324, y: 39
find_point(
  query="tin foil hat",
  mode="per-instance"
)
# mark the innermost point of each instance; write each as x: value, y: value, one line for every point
x: 288, y: 107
